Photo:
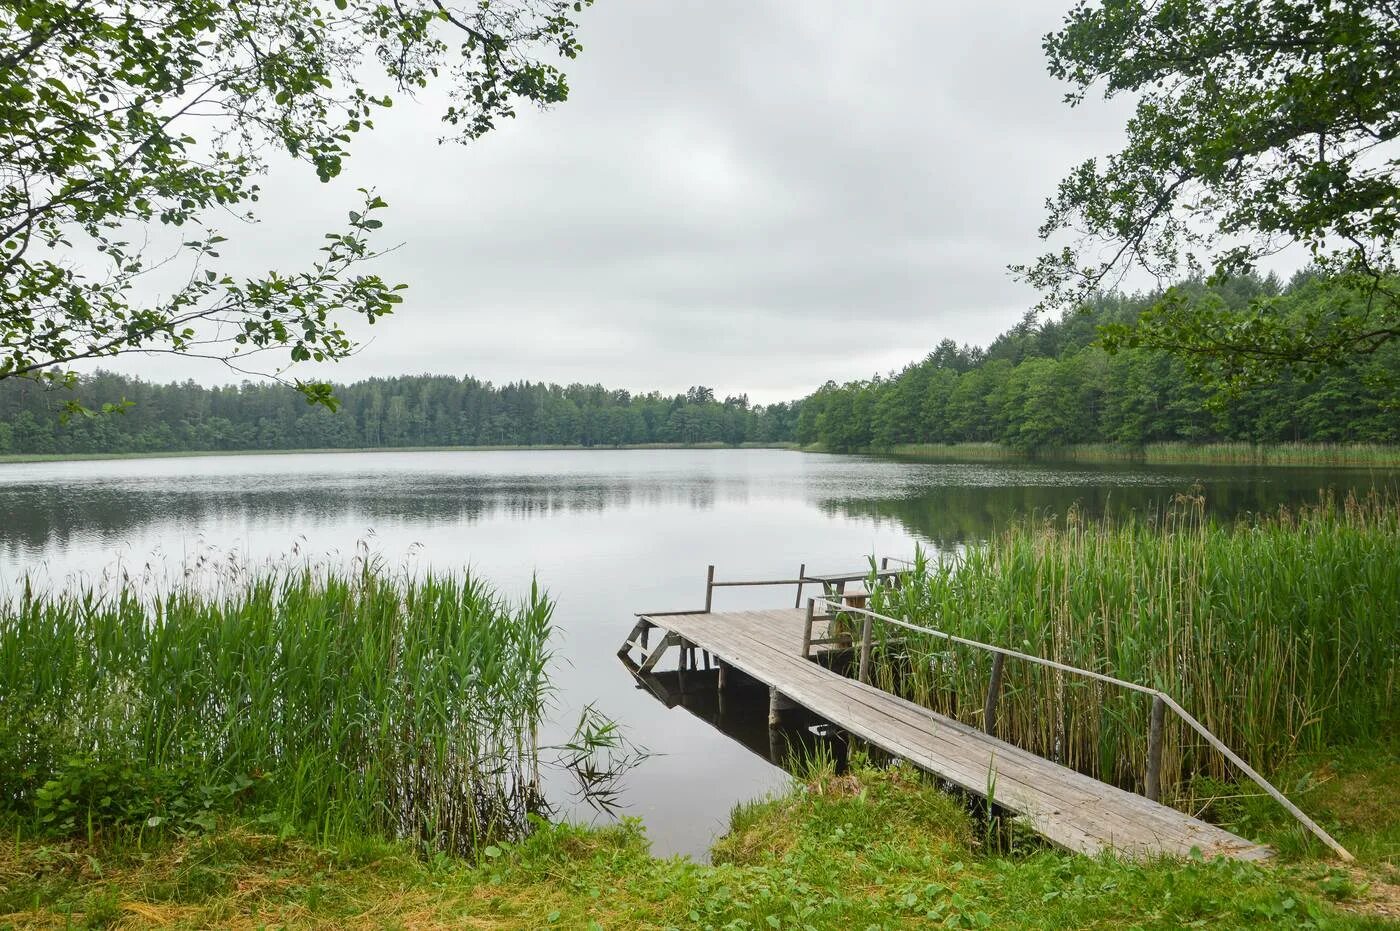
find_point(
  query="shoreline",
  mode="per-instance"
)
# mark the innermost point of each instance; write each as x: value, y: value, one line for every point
x: 17, y: 458
x: 1314, y: 455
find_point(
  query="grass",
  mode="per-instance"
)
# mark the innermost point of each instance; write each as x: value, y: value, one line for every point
x: 1355, y: 788
x: 338, y: 703
x: 1279, y: 634
x: 867, y: 849
x: 958, y: 452
x: 1372, y: 455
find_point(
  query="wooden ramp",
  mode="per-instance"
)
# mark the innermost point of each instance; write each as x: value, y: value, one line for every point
x: 1070, y: 809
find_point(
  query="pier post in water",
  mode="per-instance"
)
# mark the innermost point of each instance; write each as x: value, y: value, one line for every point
x: 777, y: 704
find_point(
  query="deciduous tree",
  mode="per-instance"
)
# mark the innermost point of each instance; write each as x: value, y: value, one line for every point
x: 119, y: 115
x: 1259, y: 125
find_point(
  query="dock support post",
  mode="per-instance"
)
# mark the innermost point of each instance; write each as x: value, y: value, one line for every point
x: 801, y: 574
x: 777, y: 704
x: 865, y: 633
x: 1154, y: 749
x: 807, y: 629
x: 723, y: 679
x: 709, y: 588
x: 989, y: 710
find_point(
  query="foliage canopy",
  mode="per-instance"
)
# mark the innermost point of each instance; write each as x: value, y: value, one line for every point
x: 1047, y: 385
x: 117, y: 115
x: 1259, y: 125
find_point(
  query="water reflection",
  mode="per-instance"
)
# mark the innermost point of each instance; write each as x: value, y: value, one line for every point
x: 739, y: 711
x: 952, y: 513
x: 99, y: 504
x: 44, y: 515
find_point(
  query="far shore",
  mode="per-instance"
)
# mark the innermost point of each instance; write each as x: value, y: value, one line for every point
x: 199, y: 453
x: 1317, y: 455
x: 1224, y: 453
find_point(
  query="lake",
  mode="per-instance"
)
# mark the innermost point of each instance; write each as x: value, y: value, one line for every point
x: 608, y: 532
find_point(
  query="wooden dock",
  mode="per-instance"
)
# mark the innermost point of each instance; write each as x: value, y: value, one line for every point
x: 1067, y: 807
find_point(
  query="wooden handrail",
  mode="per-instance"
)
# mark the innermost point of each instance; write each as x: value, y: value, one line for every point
x: 1160, y: 700
x: 759, y: 582
x: 802, y: 579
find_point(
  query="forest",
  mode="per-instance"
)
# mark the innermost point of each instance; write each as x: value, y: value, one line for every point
x: 1039, y: 386
x: 418, y: 410
x: 1043, y: 385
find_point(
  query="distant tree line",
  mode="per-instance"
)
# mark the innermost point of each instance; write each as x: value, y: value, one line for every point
x: 1043, y: 385
x: 421, y: 410
x: 1040, y: 385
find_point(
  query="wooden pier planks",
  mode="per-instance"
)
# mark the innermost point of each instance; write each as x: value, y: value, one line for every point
x: 1069, y: 808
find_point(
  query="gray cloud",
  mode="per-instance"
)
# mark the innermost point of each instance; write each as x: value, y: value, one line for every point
x: 757, y: 195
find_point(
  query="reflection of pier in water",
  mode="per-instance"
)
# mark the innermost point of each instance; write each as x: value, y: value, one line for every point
x: 739, y: 710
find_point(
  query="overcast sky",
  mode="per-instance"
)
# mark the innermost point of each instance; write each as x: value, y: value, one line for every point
x: 755, y: 195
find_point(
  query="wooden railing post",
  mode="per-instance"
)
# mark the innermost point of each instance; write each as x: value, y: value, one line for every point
x: 807, y: 629
x: 989, y: 710
x: 865, y: 633
x: 709, y: 588
x: 801, y: 571
x: 1154, y: 749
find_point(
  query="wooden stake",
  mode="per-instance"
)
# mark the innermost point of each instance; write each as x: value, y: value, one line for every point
x: 865, y: 634
x: 989, y: 710
x: 1154, y: 749
x: 777, y: 704
x: 807, y: 629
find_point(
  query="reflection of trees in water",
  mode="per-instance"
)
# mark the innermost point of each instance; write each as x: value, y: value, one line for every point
x: 975, y: 502
x: 33, y: 516
x: 949, y: 516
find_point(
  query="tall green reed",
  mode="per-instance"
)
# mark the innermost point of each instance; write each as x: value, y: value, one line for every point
x: 360, y: 700
x: 1279, y: 633
x: 1369, y: 455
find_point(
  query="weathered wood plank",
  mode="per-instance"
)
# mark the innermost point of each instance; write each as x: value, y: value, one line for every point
x: 1023, y: 778
x: 964, y: 761
x: 1069, y: 808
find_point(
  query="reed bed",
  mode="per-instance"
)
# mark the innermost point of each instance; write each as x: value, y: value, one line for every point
x: 959, y: 452
x: 1280, y: 634
x: 347, y: 701
x: 1361, y: 455
x: 1373, y: 455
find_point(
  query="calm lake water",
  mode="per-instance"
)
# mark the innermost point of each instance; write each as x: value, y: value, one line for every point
x: 609, y: 533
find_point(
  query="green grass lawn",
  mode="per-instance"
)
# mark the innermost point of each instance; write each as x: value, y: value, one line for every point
x: 872, y: 849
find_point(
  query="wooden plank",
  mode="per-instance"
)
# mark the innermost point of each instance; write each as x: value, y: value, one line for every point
x: 959, y: 761
x: 671, y: 639
x: 1044, y: 778
x: 1071, y: 809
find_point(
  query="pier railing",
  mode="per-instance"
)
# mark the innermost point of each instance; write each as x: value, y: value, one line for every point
x: 830, y: 582
x: 835, y: 581
x: 1161, y: 701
